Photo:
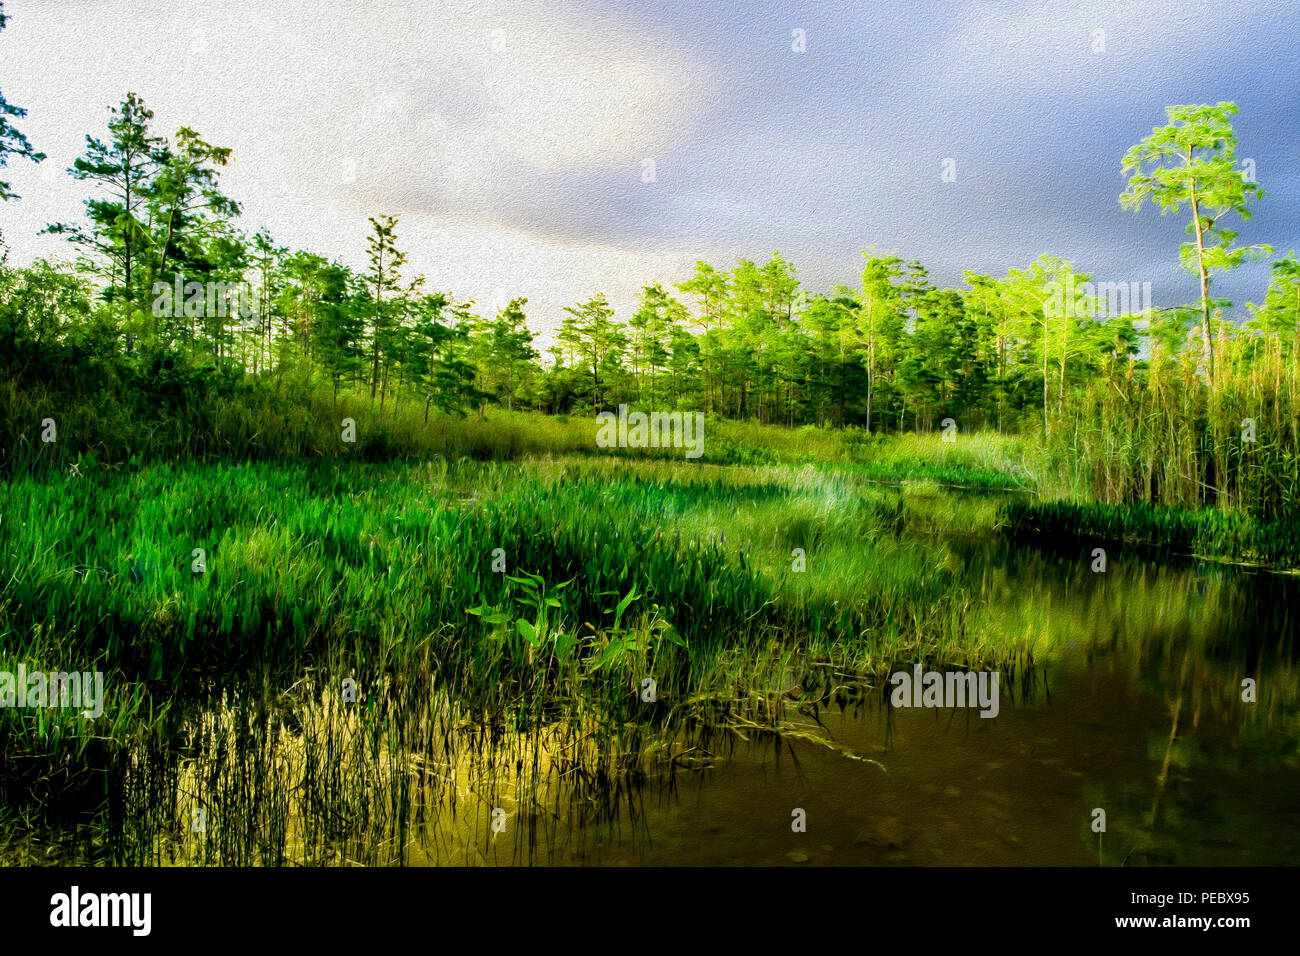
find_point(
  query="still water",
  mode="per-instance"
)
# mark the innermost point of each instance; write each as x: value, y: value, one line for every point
x: 1128, y: 700
x: 1123, y: 736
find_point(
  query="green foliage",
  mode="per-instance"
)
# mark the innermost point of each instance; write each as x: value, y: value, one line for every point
x: 1192, y: 161
x: 1117, y: 397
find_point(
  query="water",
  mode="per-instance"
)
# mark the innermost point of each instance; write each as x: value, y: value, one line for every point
x: 1122, y: 693
x: 1088, y: 725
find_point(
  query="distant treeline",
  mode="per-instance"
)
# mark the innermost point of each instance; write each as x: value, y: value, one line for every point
x: 170, y: 299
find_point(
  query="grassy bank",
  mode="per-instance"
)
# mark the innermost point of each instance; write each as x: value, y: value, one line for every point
x: 508, y: 595
x: 232, y: 418
x: 496, y: 623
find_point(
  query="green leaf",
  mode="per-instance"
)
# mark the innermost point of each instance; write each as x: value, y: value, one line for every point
x: 526, y: 630
x: 611, y: 651
x: 628, y: 599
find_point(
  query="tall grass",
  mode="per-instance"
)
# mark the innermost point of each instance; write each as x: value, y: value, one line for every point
x: 614, y: 572
x: 1168, y: 436
x: 741, y: 592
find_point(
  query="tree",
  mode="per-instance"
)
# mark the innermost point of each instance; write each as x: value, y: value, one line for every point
x: 509, y: 350
x: 1280, y: 316
x: 339, y: 327
x: 301, y: 280
x: 743, y: 359
x: 880, y: 314
x: 40, y: 307
x: 384, y: 278
x: 12, y: 142
x: 428, y: 337
x: 1037, y: 296
x: 598, y: 339
x: 125, y: 168
x: 221, y: 259
x: 454, y: 375
x: 653, y: 326
x: 836, y: 371
x: 1280, y: 313
x: 185, y: 200
x: 683, y: 363
x: 987, y: 305
x: 1193, y: 160
x: 711, y: 286
x: 930, y: 368
x: 268, y: 265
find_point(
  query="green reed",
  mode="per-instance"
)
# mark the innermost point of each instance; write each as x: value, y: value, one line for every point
x: 614, y: 572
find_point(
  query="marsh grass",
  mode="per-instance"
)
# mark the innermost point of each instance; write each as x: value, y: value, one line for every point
x: 1170, y: 437
x: 519, y: 690
x: 616, y: 571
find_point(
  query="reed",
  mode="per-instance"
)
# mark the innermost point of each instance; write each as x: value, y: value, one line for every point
x: 615, y: 570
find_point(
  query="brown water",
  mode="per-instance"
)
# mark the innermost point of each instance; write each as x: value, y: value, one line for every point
x: 1090, y: 724
x: 1125, y: 695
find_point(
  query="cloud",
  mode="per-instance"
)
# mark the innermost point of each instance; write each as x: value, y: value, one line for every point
x: 483, y: 112
x: 510, y: 136
x: 1088, y: 48
x: 485, y: 125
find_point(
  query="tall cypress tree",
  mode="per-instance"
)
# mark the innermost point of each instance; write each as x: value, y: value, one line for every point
x: 386, y: 263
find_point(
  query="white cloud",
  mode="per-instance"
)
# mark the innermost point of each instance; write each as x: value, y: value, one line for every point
x: 509, y: 136
x: 471, y: 120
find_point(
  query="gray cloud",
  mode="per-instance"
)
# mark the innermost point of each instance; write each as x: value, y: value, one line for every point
x: 511, y: 137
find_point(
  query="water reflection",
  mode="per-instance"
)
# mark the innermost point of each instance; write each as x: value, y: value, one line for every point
x: 1121, y: 691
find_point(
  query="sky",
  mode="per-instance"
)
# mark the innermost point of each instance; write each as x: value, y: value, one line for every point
x: 558, y: 148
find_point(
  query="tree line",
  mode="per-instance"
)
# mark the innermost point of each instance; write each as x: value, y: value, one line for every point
x: 889, y: 351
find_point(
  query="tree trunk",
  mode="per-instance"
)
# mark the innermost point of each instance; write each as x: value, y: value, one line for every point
x: 1208, y: 349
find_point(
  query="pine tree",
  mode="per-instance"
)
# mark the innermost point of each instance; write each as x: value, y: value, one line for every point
x: 125, y: 168
x: 386, y: 263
